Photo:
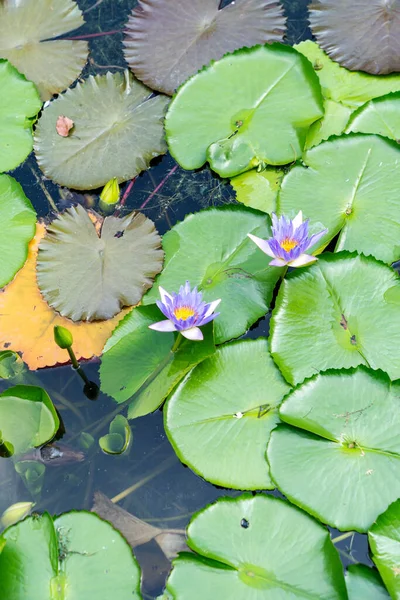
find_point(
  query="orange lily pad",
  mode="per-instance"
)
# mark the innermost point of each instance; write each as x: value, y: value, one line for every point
x: 27, y: 321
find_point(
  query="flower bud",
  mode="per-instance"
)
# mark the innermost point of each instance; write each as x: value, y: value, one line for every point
x: 110, y: 194
x: 16, y: 512
x: 63, y: 337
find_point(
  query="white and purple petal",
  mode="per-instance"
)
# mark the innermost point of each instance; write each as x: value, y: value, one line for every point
x: 163, y: 326
x: 302, y: 260
x: 193, y: 333
x: 262, y: 244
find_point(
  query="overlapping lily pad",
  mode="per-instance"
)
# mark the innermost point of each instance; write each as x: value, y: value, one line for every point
x: 239, y: 112
x: 86, y: 276
x: 344, y: 439
x: 350, y: 184
x: 258, y: 189
x: 360, y: 36
x: 228, y: 405
x: 364, y: 583
x: 380, y: 116
x: 119, y: 438
x: 334, y: 315
x: 260, y: 548
x: 384, y: 539
x: 118, y: 129
x: 76, y: 555
x: 191, y: 34
x: 19, y: 105
x: 145, y: 365
x: 17, y: 227
x: 211, y: 250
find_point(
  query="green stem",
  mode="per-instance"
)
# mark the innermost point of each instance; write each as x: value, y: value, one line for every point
x: 342, y: 537
x: 76, y: 365
x: 177, y: 342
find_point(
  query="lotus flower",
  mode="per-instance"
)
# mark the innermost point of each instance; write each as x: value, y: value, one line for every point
x: 289, y: 242
x: 185, y: 312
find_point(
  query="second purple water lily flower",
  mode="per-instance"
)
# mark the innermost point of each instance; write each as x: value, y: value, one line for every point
x: 289, y: 242
x: 185, y: 312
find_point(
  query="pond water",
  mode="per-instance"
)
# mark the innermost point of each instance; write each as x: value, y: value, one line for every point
x: 150, y: 481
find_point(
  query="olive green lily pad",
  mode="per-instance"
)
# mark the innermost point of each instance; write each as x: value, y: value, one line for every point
x: 76, y: 555
x: 117, y: 130
x: 334, y: 315
x: 211, y: 250
x: 258, y: 189
x: 27, y: 416
x: 384, y: 540
x: 380, y: 116
x: 191, y: 34
x: 239, y: 112
x: 343, y: 439
x: 86, y: 276
x: 19, y: 105
x: 17, y: 227
x: 360, y: 36
x: 364, y: 583
x: 119, y: 438
x: 227, y: 404
x: 260, y: 548
x: 26, y: 31
x: 339, y: 186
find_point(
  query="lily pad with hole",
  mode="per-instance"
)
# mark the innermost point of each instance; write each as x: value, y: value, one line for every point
x: 27, y: 29
x: 384, y: 540
x: 17, y: 227
x: 350, y: 184
x: 334, y: 314
x: 343, y: 438
x: 169, y: 40
x: 258, y: 189
x: 19, y: 105
x: 250, y: 108
x: 118, y: 129
x: 237, y: 555
x: 364, y: 583
x: 119, y: 438
x: 379, y: 116
x: 358, y: 35
x: 211, y: 250
x: 76, y: 555
x: 87, y: 276
x: 228, y: 404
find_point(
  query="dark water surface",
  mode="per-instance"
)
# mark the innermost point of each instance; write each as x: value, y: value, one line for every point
x: 164, y: 492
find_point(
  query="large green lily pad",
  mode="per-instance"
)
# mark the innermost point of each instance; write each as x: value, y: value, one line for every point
x: 250, y: 108
x: 75, y: 556
x: 211, y: 249
x: 17, y: 227
x: 258, y: 189
x: 258, y: 548
x: 364, y: 583
x: 341, y: 459
x: 117, y: 130
x: 228, y: 405
x: 380, y: 116
x: 143, y: 364
x: 19, y: 105
x: 334, y: 315
x: 86, y: 276
x: 384, y: 540
x: 350, y: 184
x: 26, y: 31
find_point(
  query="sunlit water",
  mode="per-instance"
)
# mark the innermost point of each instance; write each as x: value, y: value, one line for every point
x: 164, y: 492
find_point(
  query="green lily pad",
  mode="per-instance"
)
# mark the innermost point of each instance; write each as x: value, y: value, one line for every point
x: 26, y: 29
x: 75, y: 556
x: 19, y: 105
x: 119, y: 438
x: 346, y: 176
x: 211, y: 250
x: 200, y: 29
x: 344, y: 437
x: 380, y: 116
x: 245, y: 125
x: 364, y: 583
x: 334, y: 122
x: 258, y: 189
x: 260, y: 548
x: 117, y: 130
x: 17, y: 227
x: 27, y: 416
x: 11, y: 365
x: 145, y: 365
x: 32, y: 474
x: 384, y: 540
x: 88, y: 276
x: 334, y: 315
x: 227, y: 404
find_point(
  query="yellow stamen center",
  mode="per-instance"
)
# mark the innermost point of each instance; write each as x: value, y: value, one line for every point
x: 184, y: 312
x: 288, y: 244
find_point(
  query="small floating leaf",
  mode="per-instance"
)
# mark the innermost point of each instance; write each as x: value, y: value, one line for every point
x: 64, y: 126
x: 118, y: 129
x: 119, y: 438
x: 258, y: 189
x: 192, y: 33
x: 11, y: 364
x: 26, y: 31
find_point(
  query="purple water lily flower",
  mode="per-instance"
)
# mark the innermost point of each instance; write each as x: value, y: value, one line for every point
x: 289, y: 242
x: 185, y: 312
